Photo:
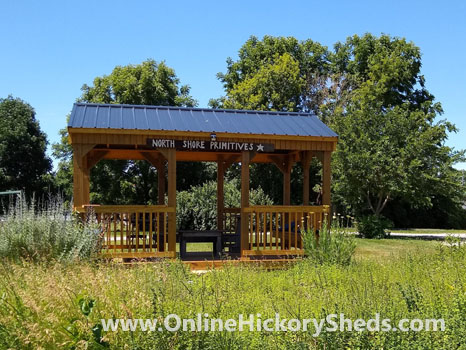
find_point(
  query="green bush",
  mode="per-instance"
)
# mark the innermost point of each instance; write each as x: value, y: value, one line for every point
x: 374, y: 226
x: 47, y: 233
x: 329, y: 246
x: 197, y: 208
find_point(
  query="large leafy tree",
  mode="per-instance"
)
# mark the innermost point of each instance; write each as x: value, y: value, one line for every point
x: 278, y: 74
x: 275, y: 73
x: 128, y: 182
x: 24, y: 164
x: 392, y: 147
x: 371, y: 91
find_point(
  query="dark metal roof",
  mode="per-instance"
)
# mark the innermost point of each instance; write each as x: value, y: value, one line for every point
x: 136, y: 117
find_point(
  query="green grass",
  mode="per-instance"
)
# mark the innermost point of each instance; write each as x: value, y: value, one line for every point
x: 426, y: 230
x: 382, y: 249
x: 58, y: 306
x: 374, y: 249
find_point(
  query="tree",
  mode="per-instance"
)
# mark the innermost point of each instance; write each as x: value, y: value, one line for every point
x: 391, y: 144
x: 371, y: 91
x: 277, y: 74
x: 127, y: 182
x: 24, y: 164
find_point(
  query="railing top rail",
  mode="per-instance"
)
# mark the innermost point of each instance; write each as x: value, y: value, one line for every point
x: 288, y: 208
x: 126, y: 208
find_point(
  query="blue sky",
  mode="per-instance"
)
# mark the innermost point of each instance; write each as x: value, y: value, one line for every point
x: 49, y: 49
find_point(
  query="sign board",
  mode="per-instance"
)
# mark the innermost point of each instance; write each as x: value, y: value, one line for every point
x: 210, y: 146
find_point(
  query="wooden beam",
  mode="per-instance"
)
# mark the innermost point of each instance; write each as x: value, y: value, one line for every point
x: 220, y: 193
x: 151, y: 158
x: 279, y: 161
x: 326, y: 178
x: 228, y: 161
x: 244, y: 201
x: 164, y: 152
x: 94, y: 157
x: 204, y: 135
x: 306, y: 157
x: 171, y: 157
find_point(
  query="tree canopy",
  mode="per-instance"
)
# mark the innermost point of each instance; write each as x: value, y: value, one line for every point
x: 370, y: 90
x: 24, y: 164
x: 127, y: 182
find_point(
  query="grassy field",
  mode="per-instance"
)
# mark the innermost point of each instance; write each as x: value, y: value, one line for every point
x: 419, y: 230
x: 52, y: 305
x: 426, y: 230
x: 382, y: 249
x: 374, y: 249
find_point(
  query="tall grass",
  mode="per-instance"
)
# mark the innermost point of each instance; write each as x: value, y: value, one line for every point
x: 330, y: 245
x: 60, y: 306
x: 46, y: 232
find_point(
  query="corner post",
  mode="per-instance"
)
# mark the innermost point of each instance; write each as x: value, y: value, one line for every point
x: 326, y: 177
x: 161, y: 181
x: 220, y: 193
x: 306, y: 162
x: 171, y: 157
x: 245, y: 160
x: 81, y: 174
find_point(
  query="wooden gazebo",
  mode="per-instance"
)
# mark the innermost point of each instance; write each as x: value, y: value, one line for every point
x: 164, y: 135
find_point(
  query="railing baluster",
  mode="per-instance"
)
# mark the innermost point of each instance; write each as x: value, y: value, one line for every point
x: 114, y: 232
x: 144, y: 230
x: 296, y: 230
x: 276, y: 230
x: 165, y: 238
x: 150, y: 231
x: 251, y: 230
x: 121, y: 232
x: 270, y: 229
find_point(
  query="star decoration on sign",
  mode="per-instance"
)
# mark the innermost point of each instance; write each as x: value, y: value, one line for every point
x: 260, y: 148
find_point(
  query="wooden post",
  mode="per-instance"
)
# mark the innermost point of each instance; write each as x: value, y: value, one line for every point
x: 171, y: 153
x: 220, y: 194
x: 86, y: 185
x: 305, y: 162
x: 161, y: 181
x: 81, y: 172
x: 245, y: 159
x: 326, y: 177
x: 288, y: 165
x: 77, y: 183
x: 287, y: 182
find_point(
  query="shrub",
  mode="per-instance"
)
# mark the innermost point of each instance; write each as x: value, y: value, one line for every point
x: 329, y: 246
x: 50, y: 232
x: 197, y: 208
x: 373, y: 226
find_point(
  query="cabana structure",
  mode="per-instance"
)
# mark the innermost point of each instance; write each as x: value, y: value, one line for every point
x: 164, y: 135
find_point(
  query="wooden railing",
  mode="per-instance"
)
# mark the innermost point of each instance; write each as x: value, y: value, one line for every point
x: 276, y: 230
x: 138, y: 231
